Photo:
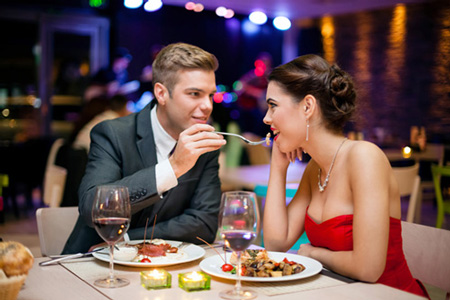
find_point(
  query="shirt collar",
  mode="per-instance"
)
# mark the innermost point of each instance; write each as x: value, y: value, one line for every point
x: 163, y: 141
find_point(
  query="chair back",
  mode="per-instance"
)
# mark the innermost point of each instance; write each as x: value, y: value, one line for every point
x: 409, y: 185
x: 442, y: 207
x: 54, y: 177
x: 257, y: 155
x: 427, y: 252
x: 54, y: 227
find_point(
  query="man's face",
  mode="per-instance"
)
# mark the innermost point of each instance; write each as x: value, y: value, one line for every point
x: 190, y: 101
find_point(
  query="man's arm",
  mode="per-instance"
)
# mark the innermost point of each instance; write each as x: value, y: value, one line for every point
x: 108, y: 164
x: 200, y: 218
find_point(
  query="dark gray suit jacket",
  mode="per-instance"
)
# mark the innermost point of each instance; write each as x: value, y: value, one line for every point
x: 123, y: 152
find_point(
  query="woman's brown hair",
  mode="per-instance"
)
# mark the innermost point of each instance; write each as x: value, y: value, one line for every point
x: 330, y: 85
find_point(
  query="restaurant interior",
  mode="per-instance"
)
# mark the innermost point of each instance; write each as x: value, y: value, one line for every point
x: 398, y: 54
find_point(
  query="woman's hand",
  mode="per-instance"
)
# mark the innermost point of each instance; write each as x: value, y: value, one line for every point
x: 282, y: 159
x: 306, y: 249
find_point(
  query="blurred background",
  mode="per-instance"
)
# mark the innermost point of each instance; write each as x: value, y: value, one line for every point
x: 52, y: 51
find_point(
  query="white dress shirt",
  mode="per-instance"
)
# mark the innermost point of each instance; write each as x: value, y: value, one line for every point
x: 165, y: 176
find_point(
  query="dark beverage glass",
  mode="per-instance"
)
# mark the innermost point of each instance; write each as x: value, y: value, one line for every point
x: 111, y: 215
x: 239, y: 226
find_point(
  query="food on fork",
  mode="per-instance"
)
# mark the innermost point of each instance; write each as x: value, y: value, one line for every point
x: 268, y: 139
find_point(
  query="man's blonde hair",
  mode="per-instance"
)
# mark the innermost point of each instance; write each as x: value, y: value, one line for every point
x: 180, y: 56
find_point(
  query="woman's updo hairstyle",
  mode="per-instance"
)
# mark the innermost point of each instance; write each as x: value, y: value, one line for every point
x: 330, y: 85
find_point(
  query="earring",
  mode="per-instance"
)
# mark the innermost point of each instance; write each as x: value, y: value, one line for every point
x: 307, y: 130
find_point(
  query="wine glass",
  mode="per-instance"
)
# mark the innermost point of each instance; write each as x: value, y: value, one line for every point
x: 111, y: 215
x: 239, y: 226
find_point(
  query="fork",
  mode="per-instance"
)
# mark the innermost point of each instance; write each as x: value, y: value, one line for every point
x: 242, y: 138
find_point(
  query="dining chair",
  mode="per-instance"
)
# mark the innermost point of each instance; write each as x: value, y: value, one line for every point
x: 54, y: 177
x: 257, y: 155
x: 234, y: 147
x: 443, y: 207
x: 426, y: 251
x: 432, y: 154
x: 54, y: 227
x: 409, y: 185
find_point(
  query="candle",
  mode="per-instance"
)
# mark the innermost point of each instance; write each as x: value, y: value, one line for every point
x: 156, y: 279
x: 194, y: 281
x: 406, y: 152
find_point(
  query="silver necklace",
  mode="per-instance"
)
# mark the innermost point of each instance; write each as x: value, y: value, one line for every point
x: 322, y: 187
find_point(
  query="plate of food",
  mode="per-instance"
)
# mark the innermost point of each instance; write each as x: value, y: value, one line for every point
x: 278, y: 266
x: 154, y: 253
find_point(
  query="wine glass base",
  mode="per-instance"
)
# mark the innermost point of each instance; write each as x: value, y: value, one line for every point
x: 112, y: 283
x: 238, y: 295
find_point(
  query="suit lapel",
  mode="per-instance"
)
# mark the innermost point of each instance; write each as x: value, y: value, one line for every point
x: 147, y: 151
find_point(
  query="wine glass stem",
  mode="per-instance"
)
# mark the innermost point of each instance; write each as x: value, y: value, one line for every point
x: 111, y: 262
x: 238, y: 273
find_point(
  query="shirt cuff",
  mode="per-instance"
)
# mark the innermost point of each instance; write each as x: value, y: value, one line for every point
x: 165, y: 176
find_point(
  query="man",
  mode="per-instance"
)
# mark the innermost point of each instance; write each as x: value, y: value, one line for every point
x: 113, y: 80
x: 181, y: 190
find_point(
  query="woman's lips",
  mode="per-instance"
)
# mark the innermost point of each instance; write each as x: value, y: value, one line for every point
x: 275, y: 133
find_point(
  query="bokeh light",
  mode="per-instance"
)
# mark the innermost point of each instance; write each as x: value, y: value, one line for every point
x: 227, y: 98
x: 189, y: 5
x: 260, y: 67
x: 153, y: 5
x: 132, y: 3
x: 250, y: 28
x: 199, y: 7
x: 258, y: 17
x: 218, y: 97
x: 229, y: 14
x: 221, y: 11
x: 237, y: 85
x: 282, y: 23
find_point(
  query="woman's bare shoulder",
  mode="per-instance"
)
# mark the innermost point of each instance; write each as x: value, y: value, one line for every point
x: 366, y: 151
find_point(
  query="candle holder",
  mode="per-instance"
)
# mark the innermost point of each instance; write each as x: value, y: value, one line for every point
x: 194, y: 281
x: 156, y: 279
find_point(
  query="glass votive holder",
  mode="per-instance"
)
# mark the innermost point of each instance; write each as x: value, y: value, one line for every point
x: 194, y: 281
x: 156, y: 279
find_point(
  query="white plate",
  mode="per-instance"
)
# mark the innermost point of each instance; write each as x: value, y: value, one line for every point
x: 189, y: 253
x: 213, y: 266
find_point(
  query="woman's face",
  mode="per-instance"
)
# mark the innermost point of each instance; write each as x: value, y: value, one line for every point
x: 285, y: 118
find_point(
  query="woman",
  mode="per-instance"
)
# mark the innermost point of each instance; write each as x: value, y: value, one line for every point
x: 348, y: 200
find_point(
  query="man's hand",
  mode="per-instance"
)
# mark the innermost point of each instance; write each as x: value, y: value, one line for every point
x: 193, y: 142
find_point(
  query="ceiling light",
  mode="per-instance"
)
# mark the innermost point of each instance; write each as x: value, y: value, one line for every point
x: 190, y: 5
x: 258, y: 17
x: 221, y: 11
x: 229, y: 14
x: 198, y: 7
x: 153, y: 5
x: 282, y: 23
x: 132, y: 3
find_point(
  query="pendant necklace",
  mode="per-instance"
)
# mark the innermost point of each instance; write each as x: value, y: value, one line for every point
x: 322, y: 187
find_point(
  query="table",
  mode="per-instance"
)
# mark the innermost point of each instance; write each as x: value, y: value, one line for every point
x: 247, y: 177
x: 74, y: 280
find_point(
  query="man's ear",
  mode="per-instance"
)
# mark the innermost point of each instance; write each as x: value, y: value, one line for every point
x: 161, y: 93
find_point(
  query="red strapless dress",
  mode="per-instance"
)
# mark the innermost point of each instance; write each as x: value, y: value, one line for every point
x: 337, y: 234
